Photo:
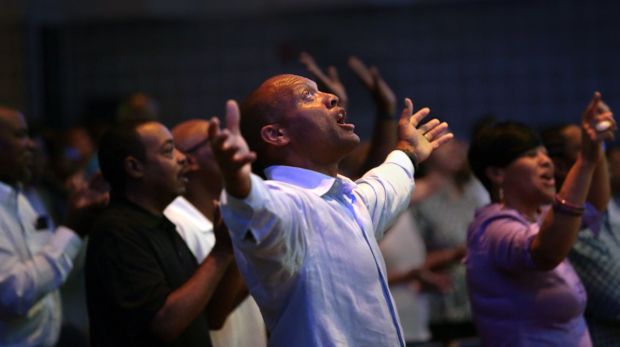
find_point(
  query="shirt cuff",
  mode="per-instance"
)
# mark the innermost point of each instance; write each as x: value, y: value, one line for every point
x: 401, y: 159
x: 67, y: 240
x: 237, y: 213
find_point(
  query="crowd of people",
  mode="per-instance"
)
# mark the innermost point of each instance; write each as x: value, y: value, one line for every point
x: 275, y: 226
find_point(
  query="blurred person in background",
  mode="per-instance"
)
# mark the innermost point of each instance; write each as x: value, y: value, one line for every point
x: 595, y: 256
x: 35, y: 257
x: 448, y: 197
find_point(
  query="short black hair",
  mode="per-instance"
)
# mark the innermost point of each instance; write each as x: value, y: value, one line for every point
x: 118, y: 143
x: 498, y: 145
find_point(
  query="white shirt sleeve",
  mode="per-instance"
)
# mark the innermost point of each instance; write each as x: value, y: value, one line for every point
x: 386, y: 190
x: 266, y: 226
x: 24, y: 277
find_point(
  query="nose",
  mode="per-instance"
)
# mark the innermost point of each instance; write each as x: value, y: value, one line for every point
x: 331, y: 100
x: 543, y: 159
x: 181, y: 158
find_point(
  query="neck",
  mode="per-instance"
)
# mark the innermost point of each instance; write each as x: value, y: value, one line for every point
x: 326, y: 169
x: 527, y: 209
x: 327, y: 166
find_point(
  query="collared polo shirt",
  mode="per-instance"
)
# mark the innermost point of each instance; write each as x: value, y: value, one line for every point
x: 134, y: 261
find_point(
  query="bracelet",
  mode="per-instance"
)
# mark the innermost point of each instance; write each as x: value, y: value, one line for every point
x: 564, y: 207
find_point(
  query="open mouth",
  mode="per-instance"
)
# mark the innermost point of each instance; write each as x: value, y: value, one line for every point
x: 341, y: 117
x: 548, y: 179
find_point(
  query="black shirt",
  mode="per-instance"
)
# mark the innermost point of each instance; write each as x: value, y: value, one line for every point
x: 134, y: 261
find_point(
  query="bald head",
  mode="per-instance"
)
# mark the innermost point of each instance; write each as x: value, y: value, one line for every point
x: 190, y: 134
x: 192, y: 138
x: 267, y: 104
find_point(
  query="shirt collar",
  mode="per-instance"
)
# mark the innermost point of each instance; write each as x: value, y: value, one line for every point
x: 140, y: 214
x: 6, y: 192
x: 313, y: 181
x: 190, y: 211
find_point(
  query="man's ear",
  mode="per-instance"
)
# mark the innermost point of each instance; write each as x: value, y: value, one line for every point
x: 274, y: 134
x: 133, y: 167
x: 495, y: 175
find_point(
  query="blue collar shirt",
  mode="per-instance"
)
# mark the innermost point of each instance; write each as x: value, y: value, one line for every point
x: 306, y: 244
x: 34, y: 262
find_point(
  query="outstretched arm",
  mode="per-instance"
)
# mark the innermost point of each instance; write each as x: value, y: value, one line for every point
x: 232, y: 152
x: 419, y: 141
x: 559, y: 229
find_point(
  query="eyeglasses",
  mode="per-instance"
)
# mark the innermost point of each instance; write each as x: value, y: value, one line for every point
x: 196, y: 146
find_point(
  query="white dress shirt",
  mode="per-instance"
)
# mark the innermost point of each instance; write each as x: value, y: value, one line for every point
x: 33, y: 264
x: 306, y: 244
x: 244, y: 326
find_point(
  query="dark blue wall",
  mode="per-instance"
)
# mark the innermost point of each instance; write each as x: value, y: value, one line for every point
x: 534, y: 61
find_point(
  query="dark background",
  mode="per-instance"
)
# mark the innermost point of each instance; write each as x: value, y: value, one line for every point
x: 533, y: 61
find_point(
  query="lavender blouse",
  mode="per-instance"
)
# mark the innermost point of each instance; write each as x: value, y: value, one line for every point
x: 513, y: 303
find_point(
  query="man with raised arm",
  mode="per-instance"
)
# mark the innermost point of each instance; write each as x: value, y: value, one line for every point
x: 306, y: 239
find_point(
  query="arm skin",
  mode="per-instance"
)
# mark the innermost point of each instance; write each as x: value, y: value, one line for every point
x: 215, y: 285
x: 559, y: 231
x: 190, y: 300
x: 228, y: 295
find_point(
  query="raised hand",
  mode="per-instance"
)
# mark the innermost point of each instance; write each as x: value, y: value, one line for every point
x: 420, y: 140
x: 376, y: 85
x: 331, y: 81
x: 223, y: 242
x: 231, y: 152
x: 598, y: 125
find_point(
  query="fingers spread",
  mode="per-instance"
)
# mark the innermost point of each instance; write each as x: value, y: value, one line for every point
x: 418, y: 116
x: 408, y: 110
x: 437, y: 130
x: 442, y: 139
x: 428, y: 126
